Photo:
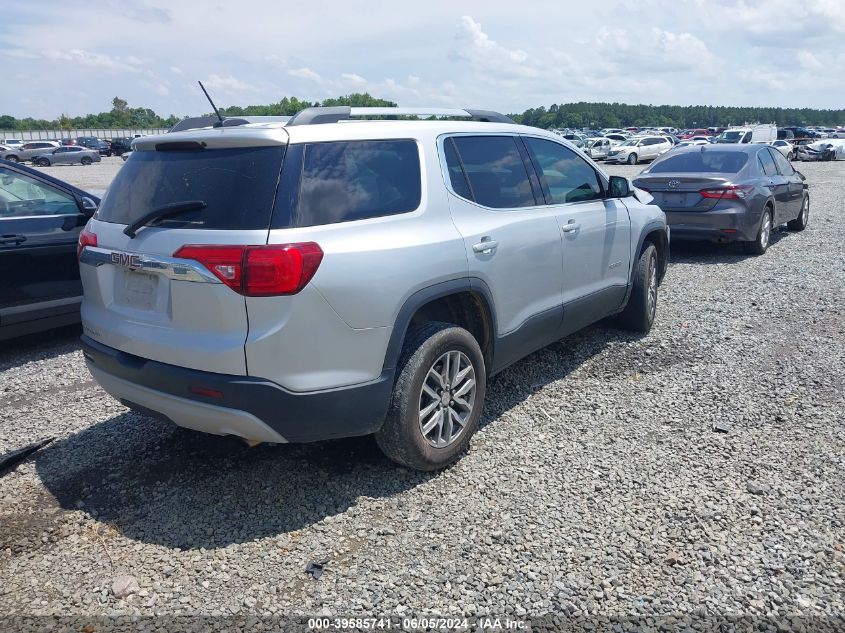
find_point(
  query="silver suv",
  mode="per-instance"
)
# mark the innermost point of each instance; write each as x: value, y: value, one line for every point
x: 325, y: 278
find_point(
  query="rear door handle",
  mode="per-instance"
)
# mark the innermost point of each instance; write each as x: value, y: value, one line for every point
x: 570, y: 227
x: 485, y: 246
x: 12, y: 239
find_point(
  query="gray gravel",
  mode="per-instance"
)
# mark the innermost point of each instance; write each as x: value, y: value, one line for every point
x: 597, y: 485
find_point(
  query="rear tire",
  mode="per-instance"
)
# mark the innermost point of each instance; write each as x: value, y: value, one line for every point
x: 13, y: 159
x: 760, y: 244
x: 800, y: 223
x: 632, y: 159
x: 86, y: 161
x: 639, y: 314
x: 430, y: 421
x: 42, y: 162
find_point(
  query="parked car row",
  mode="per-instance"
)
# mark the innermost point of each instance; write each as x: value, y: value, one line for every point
x: 46, y: 153
x: 398, y: 339
x: 15, y: 150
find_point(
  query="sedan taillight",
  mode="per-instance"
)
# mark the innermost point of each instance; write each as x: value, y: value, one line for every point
x: 731, y: 192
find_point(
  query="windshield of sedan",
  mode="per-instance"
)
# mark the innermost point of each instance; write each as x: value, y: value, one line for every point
x: 700, y: 162
x: 630, y: 143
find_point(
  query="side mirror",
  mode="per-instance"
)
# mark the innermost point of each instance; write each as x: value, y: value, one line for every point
x: 619, y: 187
x: 87, y: 205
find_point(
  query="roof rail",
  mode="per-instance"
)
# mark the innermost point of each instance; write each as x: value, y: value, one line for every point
x: 335, y: 114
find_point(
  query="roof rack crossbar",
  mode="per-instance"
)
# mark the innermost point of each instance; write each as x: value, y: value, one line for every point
x: 335, y: 114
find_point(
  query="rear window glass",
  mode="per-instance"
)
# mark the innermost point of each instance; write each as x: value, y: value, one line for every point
x: 238, y: 185
x: 353, y: 180
x: 495, y: 170
x: 706, y: 161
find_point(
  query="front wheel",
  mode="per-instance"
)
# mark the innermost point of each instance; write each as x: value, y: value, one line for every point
x: 639, y: 314
x: 86, y: 161
x: 800, y: 223
x: 12, y: 159
x: 437, y: 399
x: 42, y: 162
x: 632, y: 159
x: 760, y: 244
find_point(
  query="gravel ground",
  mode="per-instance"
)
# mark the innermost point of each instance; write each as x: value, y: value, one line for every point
x: 596, y: 486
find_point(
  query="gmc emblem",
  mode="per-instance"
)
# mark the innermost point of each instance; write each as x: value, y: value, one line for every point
x: 126, y: 260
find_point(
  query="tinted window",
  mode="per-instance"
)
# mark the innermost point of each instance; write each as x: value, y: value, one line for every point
x: 705, y: 161
x: 495, y: 170
x: 569, y: 178
x: 344, y: 181
x: 22, y: 196
x: 783, y: 165
x: 767, y: 163
x: 457, y: 177
x: 238, y: 186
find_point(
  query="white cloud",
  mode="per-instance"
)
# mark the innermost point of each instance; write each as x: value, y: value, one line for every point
x: 809, y: 61
x: 352, y: 78
x: 228, y: 84
x: 305, y: 73
x: 473, y: 45
x: 176, y: 70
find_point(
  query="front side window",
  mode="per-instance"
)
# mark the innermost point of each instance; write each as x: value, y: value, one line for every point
x: 569, y: 178
x: 354, y: 180
x: 22, y: 196
x: 495, y: 171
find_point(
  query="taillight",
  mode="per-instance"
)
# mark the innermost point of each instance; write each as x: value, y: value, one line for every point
x: 86, y: 238
x: 258, y: 271
x: 731, y: 192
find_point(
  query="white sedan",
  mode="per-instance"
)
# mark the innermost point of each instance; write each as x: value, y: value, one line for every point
x: 639, y: 149
x: 786, y: 148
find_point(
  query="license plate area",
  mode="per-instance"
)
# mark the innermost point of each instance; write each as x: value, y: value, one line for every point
x: 137, y: 290
x: 676, y: 199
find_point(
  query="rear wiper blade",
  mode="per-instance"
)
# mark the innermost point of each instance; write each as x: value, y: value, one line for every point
x: 164, y: 212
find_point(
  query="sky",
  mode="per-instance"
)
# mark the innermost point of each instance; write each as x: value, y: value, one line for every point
x: 74, y: 57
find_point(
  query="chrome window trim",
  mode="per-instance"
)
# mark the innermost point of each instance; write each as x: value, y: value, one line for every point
x: 170, y: 267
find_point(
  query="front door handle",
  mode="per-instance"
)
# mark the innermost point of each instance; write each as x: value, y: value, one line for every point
x: 570, y: 227
x: 486, y: 245
x: 12, y: 239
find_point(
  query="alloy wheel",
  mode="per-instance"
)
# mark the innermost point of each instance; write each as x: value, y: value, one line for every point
x: 766, y: 230
x: 651, y: 300
x: 447, y: 399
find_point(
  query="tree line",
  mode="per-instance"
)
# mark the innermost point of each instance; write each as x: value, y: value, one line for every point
x: 601, y: 115
x: 572, y: 115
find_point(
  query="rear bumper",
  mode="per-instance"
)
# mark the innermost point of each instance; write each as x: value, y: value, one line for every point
x: 251, y: 408
x: 730, y: 224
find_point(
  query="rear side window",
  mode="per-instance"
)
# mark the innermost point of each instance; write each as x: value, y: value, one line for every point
x: 782, y: 164
x: 767, y: 163
x: 495, y: 171
x: 353, y: 180
x: 238, y: 185
x: 707, y: 161
x: 568, y: 177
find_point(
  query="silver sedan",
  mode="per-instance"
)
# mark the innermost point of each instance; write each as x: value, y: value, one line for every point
x: 68, y: 155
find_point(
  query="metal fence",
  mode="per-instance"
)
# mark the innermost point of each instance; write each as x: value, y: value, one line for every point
x: 37, y: 135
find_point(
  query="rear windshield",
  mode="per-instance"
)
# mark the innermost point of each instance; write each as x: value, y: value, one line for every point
x: 706, y: 161
x: 238, y: 185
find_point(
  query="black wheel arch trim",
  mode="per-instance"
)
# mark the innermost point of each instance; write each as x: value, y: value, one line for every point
x: 649, y: 228
x: 430, y: 293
